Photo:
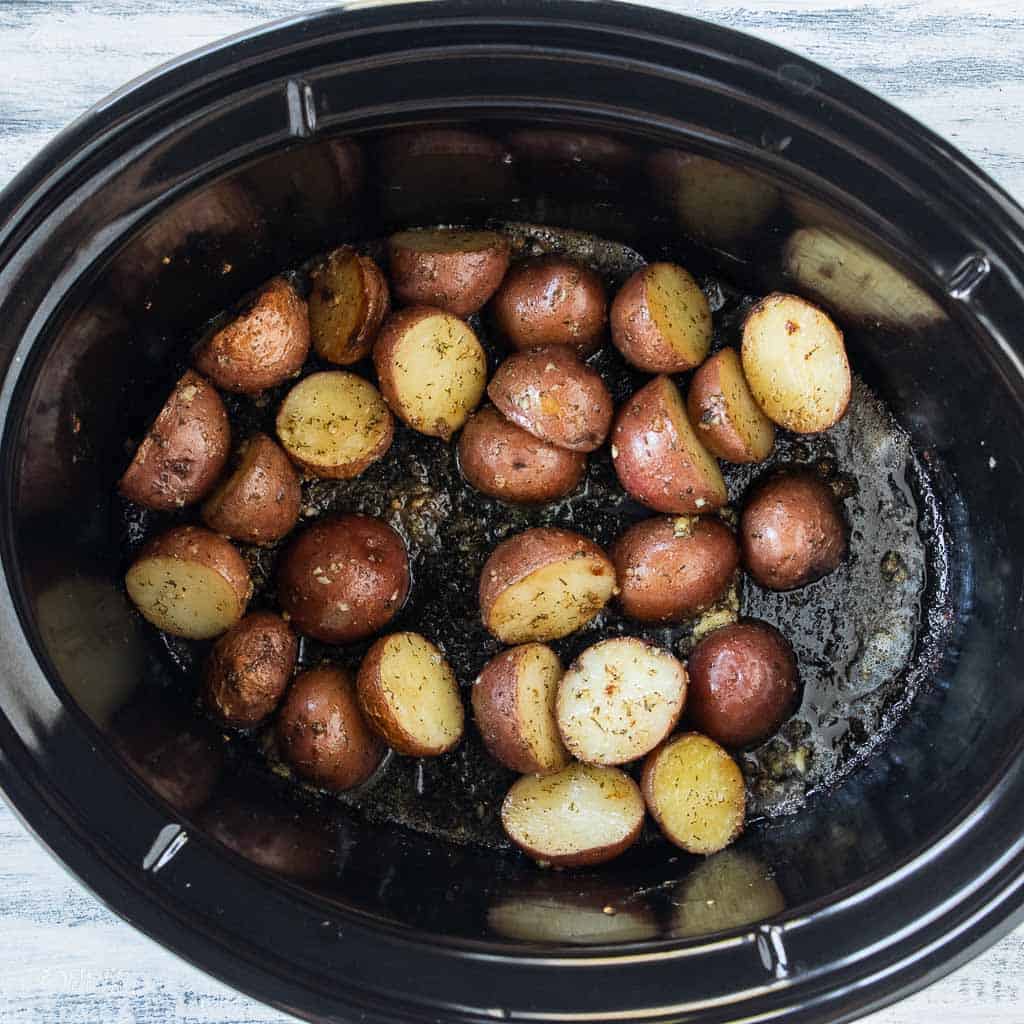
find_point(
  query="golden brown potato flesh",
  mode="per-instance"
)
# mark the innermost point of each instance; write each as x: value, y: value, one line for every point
x: 263, y: 346
x: 249, y: 669
x: 672, y: 568
x: 551, y: 300
x: 432, y: 369
x: 190, y: 582
x: 795, y: 362
x: 410, y: 697
x: 792, y: 530
x: 555, y: 396
x: 259, y: 502
x: 342, y: 579
x: 729, y: 423
x: 658, y: 457
x: 347, y: 304
x: 661, y: 320
x: 183, y: 452
x: 322, y: 733
x: 457, y: 271
x: 334, y: 424
x: 543, y: 584
x: 695, y: 792
x: 583, y: 814
x: 508, y: 463
x: 514, y: 709
x: 618, y: 700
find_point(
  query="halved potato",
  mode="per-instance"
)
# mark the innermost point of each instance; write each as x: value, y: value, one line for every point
x: 190, y: 582
x: 695, y: 792
x: 658, y: 457
x: 661, y: 320
x: 347, y: 304
x: 575, y: 916
x: 584, y: 814
x: 544, y: 584
x: 795, y: 362
x: 334, y: 424
x: 618, y: 700
x: 514, y: 709
x: 457, y: 271
x: 432, y: 369
x: 410, y: 696
x: 722, y: 410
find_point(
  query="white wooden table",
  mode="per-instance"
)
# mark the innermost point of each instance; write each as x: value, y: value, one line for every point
x: 957, y: 65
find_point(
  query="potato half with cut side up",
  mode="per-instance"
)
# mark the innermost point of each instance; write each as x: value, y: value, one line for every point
x: 457, y: 271
x: 544, y: 584
x: 729, y: 423
x: 183, y: 452
x: 695, y: 792
x: 618, y: 700
x: 190, y: 582
x: 514, y: 709
x: 583, y: 814
x: 661, y: 320
x: 334, y: 424
x: 795, y: 362
x: 659, y: 458
x: 347, y: 304
x: 432, y: 369
x: 263, y: 346
x: 409, y: 695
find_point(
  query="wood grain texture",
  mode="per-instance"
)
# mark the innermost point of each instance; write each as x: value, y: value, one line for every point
x: 957, y: 65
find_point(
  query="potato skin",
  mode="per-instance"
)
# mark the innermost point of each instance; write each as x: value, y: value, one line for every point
x: 375, y: 304
x: 322, y: 733
x: 551, y: 301
x: 249, y: 669
x: 259, y: 503
x: 504, y: 461
x: 458, y: 282
x: 555, y: 396
x: 743, y: 683
x: 343, y: 579
x: 261, y: 347
x: 183, y: 452
x: 792, y: 530
x: 670, y: 569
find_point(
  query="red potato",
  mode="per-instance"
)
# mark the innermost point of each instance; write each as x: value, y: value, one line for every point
x: 618, y: 700
x: 348, y: 303
x: 190, y: 582
x: 795, y: 362
x: 729, y: 423
x: 671, y: 569
x: 695, y: 792
x: 432, y: 369
x: 583, y: 814
x: 249, y: 669
x: 792, y: 530
x: 657, y: 456
x: 457, y: 271
x: 743, y: 683
x: 543, y: 584
x: 558, y: 149
x: 555, y: 396
x: 410, y: 696
x: 259, y: 502
x: 263, y: 346
x: 321, y: 731
x: 514, y: 709
x: 661, y: 320
x: 343, y: 579
x: 183, y: 452
x: 505, y: 462
x: 335, y: 424
x: 552, y: 301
